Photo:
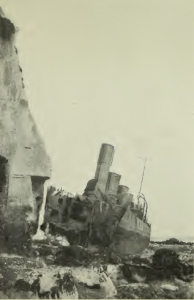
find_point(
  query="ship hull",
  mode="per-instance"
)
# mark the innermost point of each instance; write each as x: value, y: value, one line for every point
x: 106, y: 226
x: 126, y: 242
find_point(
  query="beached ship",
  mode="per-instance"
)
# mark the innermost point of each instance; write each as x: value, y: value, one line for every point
x: 105, y: 215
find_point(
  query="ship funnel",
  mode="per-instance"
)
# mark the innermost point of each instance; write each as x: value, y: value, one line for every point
x: 122, y: 189
x: 112, y: 183
x: 105, y: 160
x: 125, y: 199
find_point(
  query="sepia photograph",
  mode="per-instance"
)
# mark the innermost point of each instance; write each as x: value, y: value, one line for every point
x: 96, y: 149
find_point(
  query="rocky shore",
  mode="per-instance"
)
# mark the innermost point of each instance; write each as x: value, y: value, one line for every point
x: 49, y: 270
x: 48, y: 266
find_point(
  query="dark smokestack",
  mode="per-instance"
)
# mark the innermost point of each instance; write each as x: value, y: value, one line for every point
x: 105, y: 160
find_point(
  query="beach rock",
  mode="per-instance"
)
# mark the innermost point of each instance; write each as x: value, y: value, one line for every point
x: 136, y: 291
x: 169, y: 287
x: 190, y: 291
x: 115, y: 272
x: 3, y: 296
x: 136, y: 273
x: 49, y: 259
x: 94, y: 283
x: 22, y: 285
x: 186, y: 272
x: 113, y: 258
x: 13, y: 294
x: 5, y: 285
x: 165, y: 258
x: 107, y: 285
x: 166, y: 263
x: 62, y: 240
x: 144, y: 259
x: 186, y: 257
x: 139, y: 285
x: 86, y: 276
x: 72, y: 256
x: 186, y: 290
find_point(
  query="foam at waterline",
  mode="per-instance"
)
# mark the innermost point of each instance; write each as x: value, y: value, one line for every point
x: 40, y: 235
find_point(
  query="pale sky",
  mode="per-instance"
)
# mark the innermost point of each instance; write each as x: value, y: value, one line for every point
x: 118, y: 72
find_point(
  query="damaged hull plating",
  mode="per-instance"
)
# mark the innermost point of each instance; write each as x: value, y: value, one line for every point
x: 132, y: 235
x: 129, y: 242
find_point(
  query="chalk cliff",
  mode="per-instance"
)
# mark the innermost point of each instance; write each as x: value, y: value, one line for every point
x: 24, y: 162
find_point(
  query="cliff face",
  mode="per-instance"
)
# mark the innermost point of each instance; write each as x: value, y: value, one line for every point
x: 24, y: 163
x: 20, y: 140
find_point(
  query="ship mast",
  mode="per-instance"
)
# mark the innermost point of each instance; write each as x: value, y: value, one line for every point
x: 142, y: 176
x: 141, y: 195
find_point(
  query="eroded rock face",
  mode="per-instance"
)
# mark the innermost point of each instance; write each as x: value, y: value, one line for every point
x: 24, y: 163
x: 7, y: 28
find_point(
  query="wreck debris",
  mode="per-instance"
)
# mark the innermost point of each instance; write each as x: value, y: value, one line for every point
x: 103, y: 216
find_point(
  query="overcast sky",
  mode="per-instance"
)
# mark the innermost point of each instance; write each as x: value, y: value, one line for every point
x: 119, y: 72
